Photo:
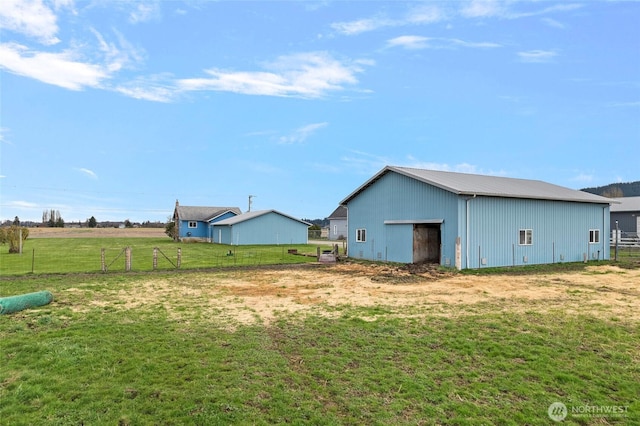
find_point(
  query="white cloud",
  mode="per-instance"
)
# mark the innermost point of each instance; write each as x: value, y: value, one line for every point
x: 537, y: 56
x: 503, y: 9
x: 88, y: 172
x: 116, y: 57
x: 483, y: 9
x: 426, y: 14
x: 553, y: 23
x: 362, y: 25
x: 144, y: 12
x: 307, y: 75
x: 31, y: 18
x: 22, y: 204
x: 632, y: 104
x: 419, y: 42
x: 60, y: 69
x: 409, y: 42
x: 301, y: 134
x: 582, y: 178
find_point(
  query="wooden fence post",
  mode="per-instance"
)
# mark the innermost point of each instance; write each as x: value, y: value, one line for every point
x: 155, y: 258
x: 179, y: 260
x: 103, y: 262
x: 127, y: 259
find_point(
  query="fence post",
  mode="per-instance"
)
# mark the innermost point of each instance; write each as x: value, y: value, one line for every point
x: 179, y: 260
x: 155, y: 258
x: 127, y: 259
x: 103, y: 262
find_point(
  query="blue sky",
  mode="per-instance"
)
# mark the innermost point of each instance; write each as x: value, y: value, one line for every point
x: 117, y: 109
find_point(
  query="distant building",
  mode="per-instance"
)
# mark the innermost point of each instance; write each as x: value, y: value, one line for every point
x: 197, y: 222
x: 627, y: 214
x: 412, y: 215
x: 260, y: 227
x: 338, y: 229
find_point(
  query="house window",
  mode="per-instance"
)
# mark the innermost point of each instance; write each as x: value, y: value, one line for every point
x: 594, y: 236
x: 335, y: 229
x: 193, y: 224
x: 526, y: 237
x: 361, y: 235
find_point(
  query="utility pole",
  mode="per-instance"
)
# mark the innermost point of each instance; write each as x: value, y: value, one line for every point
x: 250, y: 198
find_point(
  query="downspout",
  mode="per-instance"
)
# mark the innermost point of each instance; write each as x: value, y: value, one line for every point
x: 468, y: 233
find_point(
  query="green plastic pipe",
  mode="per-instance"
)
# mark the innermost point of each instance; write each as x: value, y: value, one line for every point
x: 11, y: 304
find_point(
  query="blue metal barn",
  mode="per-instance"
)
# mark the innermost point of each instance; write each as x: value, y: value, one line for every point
x: 261, y: 227
x: 410, y: 215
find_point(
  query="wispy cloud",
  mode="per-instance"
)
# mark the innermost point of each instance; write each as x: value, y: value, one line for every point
x: 419, y: 42
x: 506, y: 9
x: 3, y: 138
x: 307, y: 75
x: 429, y: 13
x: 553, y: 23
x: 144, y: 11
x: 88, y: 172
x: 420, y: 15
x: 537, y: 56
x: 301, y: 134
x: 31, y: 18
x: 60, y: 69
x: 632, y: 104
x: 582, y: 178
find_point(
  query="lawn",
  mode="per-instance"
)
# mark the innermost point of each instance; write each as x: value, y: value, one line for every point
x: 199, y: 348
x: 66, y: 255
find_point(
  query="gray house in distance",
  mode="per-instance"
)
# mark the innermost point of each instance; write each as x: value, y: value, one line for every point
x: 627, y: 213
x: 410, y: 215
x: 338, y: 229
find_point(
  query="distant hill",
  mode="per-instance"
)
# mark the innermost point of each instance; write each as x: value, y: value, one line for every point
x: 625, y: 189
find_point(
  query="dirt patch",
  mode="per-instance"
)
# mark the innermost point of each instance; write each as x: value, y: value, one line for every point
x: 260, y: 296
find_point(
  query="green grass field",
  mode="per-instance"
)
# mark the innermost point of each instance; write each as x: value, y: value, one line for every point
x: 93, y: 358
x: 71, y: 255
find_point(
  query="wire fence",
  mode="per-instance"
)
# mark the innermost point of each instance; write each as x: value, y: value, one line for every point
x: 72, y: 257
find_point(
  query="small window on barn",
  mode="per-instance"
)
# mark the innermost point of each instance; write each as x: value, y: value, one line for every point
x: 193, y: 224
x: 361, y: 235
x: 594, y: 236
x: 335, y: 229
x: 526, y: 237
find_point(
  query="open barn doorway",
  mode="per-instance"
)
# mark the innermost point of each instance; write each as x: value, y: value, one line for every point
x: 426, y: 243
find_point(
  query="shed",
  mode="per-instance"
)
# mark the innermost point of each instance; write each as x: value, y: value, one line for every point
x: 338, y: 224
x: 411, y: 215
x: 196, y: 222
x: 627, y: 213
x: 261, y: 227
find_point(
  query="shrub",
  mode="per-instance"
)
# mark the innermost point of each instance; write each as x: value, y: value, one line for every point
x: 13, y: 237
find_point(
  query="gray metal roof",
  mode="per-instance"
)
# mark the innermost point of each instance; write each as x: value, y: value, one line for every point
x: 203, y: 214
x: 491, y: 186
x: 339, y: 213
x: 627, y: 204
x: 250, y: 215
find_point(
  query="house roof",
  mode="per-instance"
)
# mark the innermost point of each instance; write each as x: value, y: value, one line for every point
x: 339, y: 213
x: 203, y: 214
x: 627, y: 204
x: 251, y: 215
x: 490, y: 186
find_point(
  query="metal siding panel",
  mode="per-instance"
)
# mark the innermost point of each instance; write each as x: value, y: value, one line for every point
x: 397, y: 197
x: 270, y: 228
x: 560, y: 231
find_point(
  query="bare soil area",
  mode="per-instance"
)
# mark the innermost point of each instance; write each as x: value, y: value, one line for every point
x: 95, y: 232
x: 260, y: 296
